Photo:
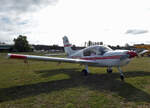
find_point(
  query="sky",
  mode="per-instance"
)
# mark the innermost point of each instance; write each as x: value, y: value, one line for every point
x: 113, y: 22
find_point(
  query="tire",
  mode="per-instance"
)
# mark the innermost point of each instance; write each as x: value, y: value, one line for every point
x: 122, y: 77
x: 85, y: 73
x: 109, y: 71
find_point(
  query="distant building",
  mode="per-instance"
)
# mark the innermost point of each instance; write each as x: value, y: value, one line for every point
x: 6, y: 47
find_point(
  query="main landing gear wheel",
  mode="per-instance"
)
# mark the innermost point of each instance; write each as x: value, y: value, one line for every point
x: 121, y: 74
x: 109, y: 71
x: 85, y: 72
x: 122, y: 77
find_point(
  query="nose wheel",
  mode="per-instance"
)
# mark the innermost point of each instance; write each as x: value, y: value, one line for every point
x: 122, y: 77
x: 84, y: 71
x: 121, y: 74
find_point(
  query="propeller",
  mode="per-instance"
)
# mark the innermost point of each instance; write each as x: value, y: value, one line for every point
x: 132, y: 54
x: 129, y: 54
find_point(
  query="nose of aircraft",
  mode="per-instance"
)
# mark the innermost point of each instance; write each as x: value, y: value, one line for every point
x: 132, y: 54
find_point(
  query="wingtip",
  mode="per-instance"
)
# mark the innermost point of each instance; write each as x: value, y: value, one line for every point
x: 8, y: 55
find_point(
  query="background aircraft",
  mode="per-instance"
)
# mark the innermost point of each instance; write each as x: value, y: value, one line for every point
x: 99, y: 56
x: 144, y: 49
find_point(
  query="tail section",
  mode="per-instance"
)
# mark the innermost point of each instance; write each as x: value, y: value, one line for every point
x: 67, y: 46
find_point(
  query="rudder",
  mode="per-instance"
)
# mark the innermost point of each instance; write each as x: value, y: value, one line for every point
x: 67, y: 46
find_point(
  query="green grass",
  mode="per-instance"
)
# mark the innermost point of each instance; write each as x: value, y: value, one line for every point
x: 49, y: 85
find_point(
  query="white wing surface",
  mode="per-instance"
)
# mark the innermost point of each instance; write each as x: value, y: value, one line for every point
x: 143, y: 52
x: 53, y: 59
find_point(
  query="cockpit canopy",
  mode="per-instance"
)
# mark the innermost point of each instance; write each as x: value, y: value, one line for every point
x: 96, y: 50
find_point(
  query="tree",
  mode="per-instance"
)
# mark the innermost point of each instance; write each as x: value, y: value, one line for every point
x: 74, y: 47
x: 127, y: 45
x: 85, y: 44
x: 21, y: 44
x: 89, y: 43
x: 118, y: 47
x: 101, y: 43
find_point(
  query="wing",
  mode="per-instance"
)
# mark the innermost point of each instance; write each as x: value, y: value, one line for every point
x: 60, y: 54
x: 143, y: 52
x: 53, y: 59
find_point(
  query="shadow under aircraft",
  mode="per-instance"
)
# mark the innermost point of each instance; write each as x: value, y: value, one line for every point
x: 99, y: 82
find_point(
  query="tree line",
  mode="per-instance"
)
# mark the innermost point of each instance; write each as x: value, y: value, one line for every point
x: 90, y: 43
x: 21, y: 44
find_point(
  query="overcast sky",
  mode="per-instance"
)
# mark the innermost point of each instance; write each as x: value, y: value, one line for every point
x: 47, y: 21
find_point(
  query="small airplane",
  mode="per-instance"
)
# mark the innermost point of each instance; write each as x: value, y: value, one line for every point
x: 98, y: 56
x: 145, y: 49
x: 144, y: 52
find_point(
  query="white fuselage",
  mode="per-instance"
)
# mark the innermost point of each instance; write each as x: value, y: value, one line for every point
x: 108, y: 59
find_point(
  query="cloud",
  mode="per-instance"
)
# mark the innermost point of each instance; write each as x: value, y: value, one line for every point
x: 21, y: 6
x: 16, y: 16
x: 136, y: 31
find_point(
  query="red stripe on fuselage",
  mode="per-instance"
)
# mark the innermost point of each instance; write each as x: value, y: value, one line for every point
x: 101, y: 58
x: 17, y: 56
x: 67, y: 45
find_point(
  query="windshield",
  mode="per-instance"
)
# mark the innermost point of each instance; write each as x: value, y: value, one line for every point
x: 103, y: 49
x: 98, y: 50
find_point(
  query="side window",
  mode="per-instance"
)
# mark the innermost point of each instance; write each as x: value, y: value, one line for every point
x: 101, y: 51
x: 89, y: 52
x: 86, y: 53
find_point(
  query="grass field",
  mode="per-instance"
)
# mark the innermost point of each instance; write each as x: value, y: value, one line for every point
x: 49, y: 85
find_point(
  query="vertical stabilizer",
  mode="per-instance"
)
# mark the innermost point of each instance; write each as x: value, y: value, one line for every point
x: 67, y: 46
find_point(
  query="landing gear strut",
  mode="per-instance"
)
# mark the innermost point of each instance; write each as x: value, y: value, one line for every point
x: 85, y: 71
x: 121, y: 74
x: 109, y: 70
